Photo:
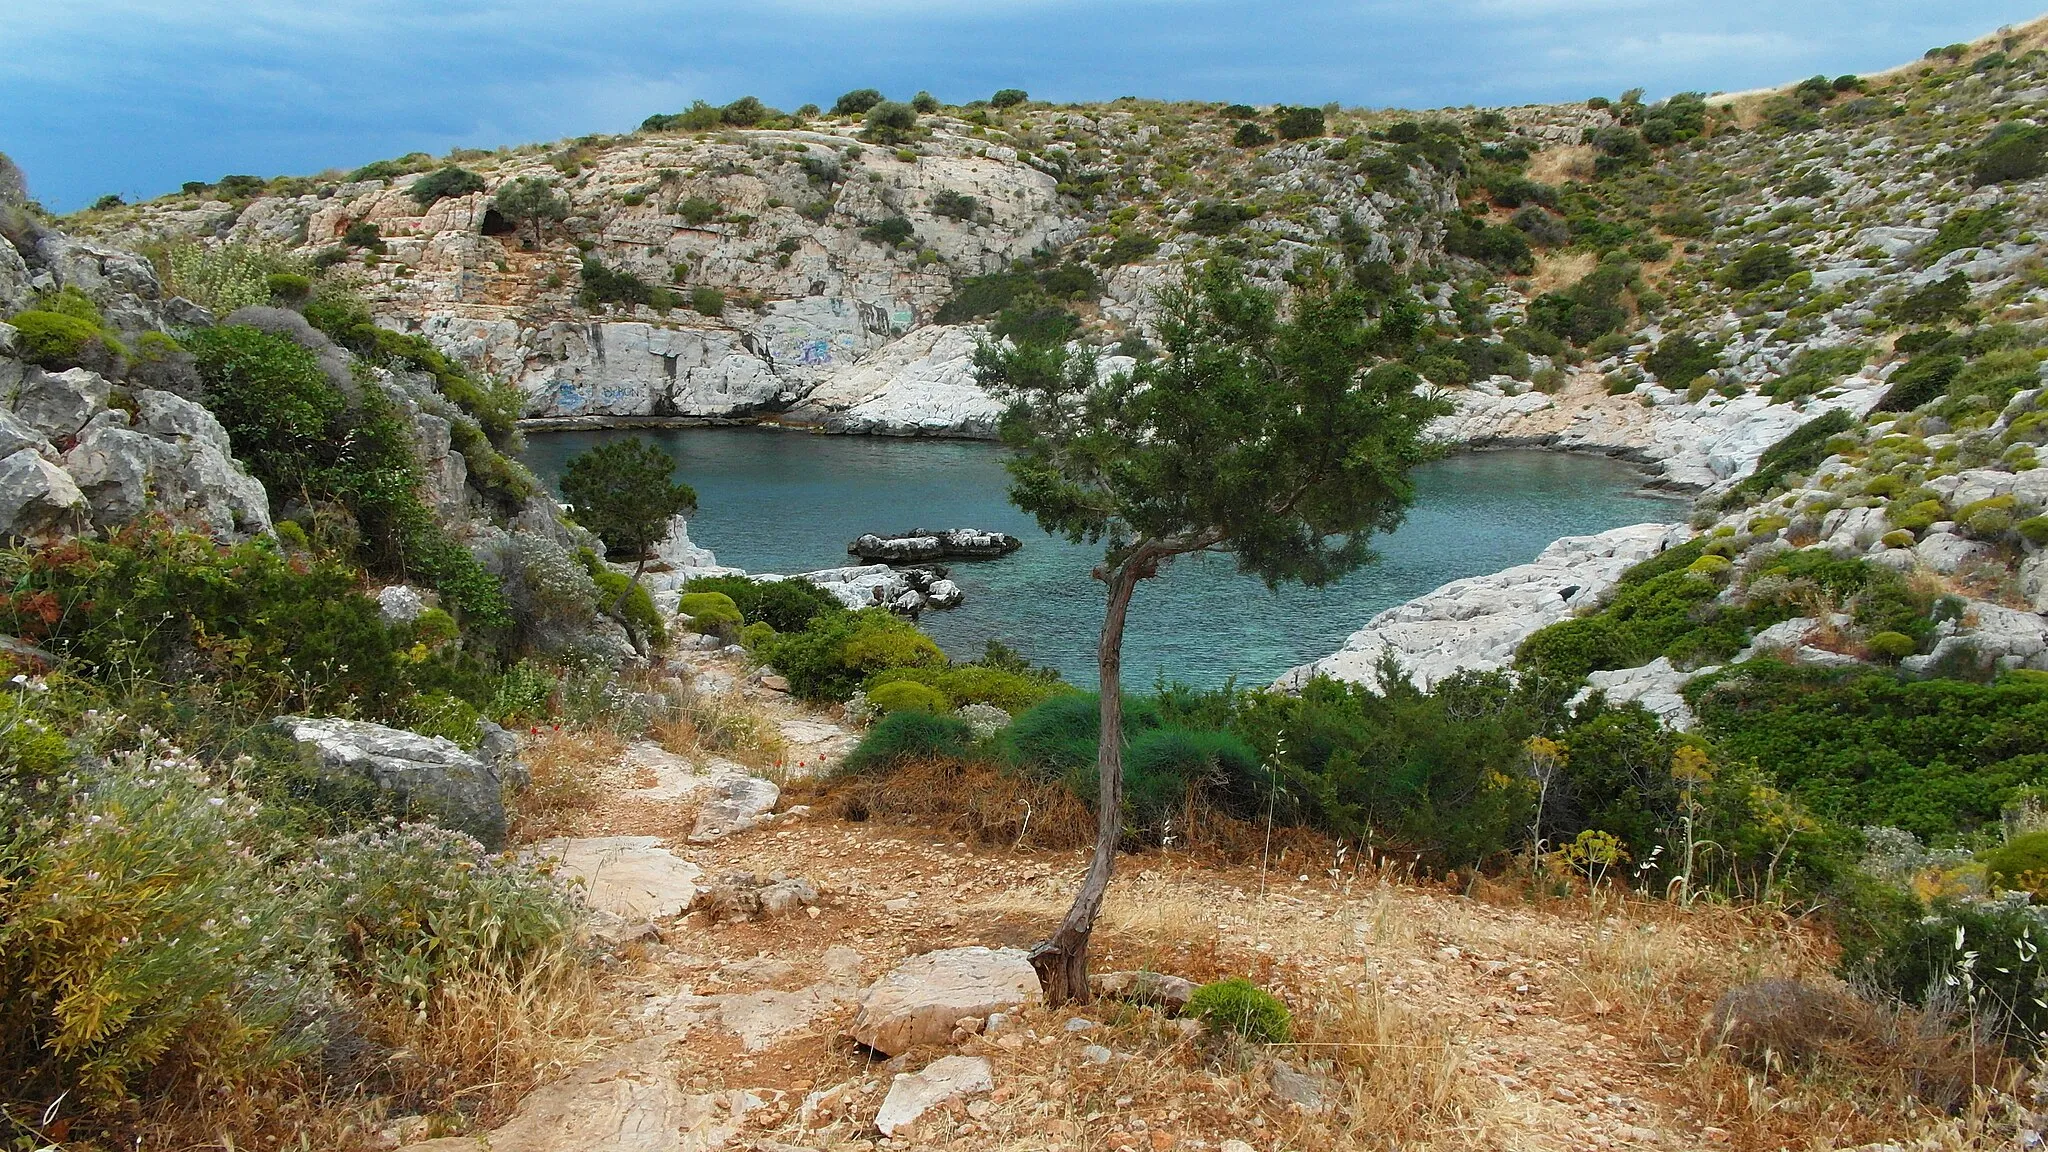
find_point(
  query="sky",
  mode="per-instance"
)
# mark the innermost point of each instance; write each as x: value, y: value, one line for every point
x: 136, y: 97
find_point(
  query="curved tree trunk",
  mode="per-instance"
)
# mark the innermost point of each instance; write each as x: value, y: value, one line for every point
x: 1062, y: 960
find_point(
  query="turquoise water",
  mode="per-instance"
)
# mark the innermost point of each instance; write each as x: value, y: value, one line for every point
x: 780, y: 501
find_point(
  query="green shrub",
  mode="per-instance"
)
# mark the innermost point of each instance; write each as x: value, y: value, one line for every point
x: 56, y: 341
x: 141, y: 944
x: 907, y: 736
x: 1681, y: 359
x: 1012, y: 691
x: 602, y: 285
x: 856, y: 102
x: 832, y: 655
x: 1892, y: 647
x: 889, y: 122
x: 697, y: 211
x: 694, y: 603
x: 1933, y: 756
x: 1760, y: 264
x: 1164, y: 766
x: 789, y: 605
x: 1218, y: 217
x: 707, y: 301
x: 2034, y: 530
x: 2013, y: 151
x: 415, y: 907
x: 890, y: 231
x: 444, y: 183
x: 1298, y: 123
x: 756, y: 634
x: 639, y: 607
x: 908, y: 696
x: 1914, y: 517
x: 1920, y: 955
x: 1240, y: 1007
x: 289, y: 288
x: 2020, y: 864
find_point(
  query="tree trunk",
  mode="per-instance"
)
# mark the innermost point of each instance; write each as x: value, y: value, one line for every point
x: 1062, y: 960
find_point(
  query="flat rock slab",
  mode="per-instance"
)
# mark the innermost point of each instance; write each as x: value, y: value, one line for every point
x: 913, y: 1094
x: 759, y: 1019
x: 735, y: 802
x: 921, y: 999
x: 432, y: 775
x: 674, y: 776
x: 629, y: 876
x: 628, y: 1103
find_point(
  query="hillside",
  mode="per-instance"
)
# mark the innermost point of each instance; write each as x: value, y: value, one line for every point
x: 355, y: 794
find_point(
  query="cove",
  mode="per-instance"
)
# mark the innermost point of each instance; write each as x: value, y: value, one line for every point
x: 771, y: 500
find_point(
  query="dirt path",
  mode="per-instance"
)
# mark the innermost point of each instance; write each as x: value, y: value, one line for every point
x: 1430, y: 1019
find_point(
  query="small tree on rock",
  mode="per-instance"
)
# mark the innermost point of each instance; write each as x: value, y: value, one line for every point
x: 1277, y: 441
x: 533, y: 202
x: 626, y: 492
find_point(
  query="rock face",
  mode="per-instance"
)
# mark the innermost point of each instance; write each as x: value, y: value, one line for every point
x: 632, y: 877
x: 1478, y: 622
x: 912, y: 1094
x: 922, y: 998
x: 1692, y: 446
x: 431, y: 775
x: 103, y: 467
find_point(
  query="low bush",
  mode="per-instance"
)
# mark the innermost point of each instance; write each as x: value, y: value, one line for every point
x: 834, y: 653
x: 602, y: 285
x: 2013, y: 151
x: 413, y: 908
x: 1799, y: 452
x: 961, y: 684
x: 907, y: 696
x: 142, y: 945
x: 1758, y: 265
x: 1863, y: 747
x: 443, y: 183
x: 787, y: 605
x: 2020, y: 864
x: 907, y: 736
x: 1240, y: 1007
x: 57, y: 341
x: 1681, y: 359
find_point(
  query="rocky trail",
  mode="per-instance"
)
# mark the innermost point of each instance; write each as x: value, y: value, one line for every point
x: 746, y: 938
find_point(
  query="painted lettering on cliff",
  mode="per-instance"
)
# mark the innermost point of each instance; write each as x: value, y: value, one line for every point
x: 873, y: 317
x: 570, y: 396
x: 814, y: 353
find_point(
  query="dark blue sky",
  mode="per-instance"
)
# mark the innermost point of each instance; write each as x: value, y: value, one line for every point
x: 137, y: 96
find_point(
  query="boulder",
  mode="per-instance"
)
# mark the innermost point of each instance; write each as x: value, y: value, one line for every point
x: 1946, y: 552
x: 735, y: 803
x: 921, y: 544
x: 38, y: 500
x: 400, y: 604
x: 57, y: 404
x: 431, y: 775
x: 912, y: 1094
x: 944, y: 594
x: 15, y: 436
x: 632, y: 877
x: 920, y: 1000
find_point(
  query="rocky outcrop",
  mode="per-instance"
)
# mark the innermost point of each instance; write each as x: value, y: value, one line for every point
x: 430, y: 776
x: 920, y: 544
x: 1477, y: 623
x: 922, y: 999
x: 38, y: 500
x: 1691, y: 446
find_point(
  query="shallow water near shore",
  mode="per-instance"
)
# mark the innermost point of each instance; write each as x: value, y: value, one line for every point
x: 779, y: 501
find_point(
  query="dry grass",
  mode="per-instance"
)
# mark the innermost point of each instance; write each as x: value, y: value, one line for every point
x: 974, y: 802
x: 463, y: 1064
x: 1402, y: 1079
x: 722, y: 726
x: 484, y: 1043
x: 573, y: 770
x: 1563, y: 164
x: 1556, y: 271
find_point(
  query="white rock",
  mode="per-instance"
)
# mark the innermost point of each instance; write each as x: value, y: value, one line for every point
x: 400, y: 604
x: 38, y: 499
x: 1945, y: 552
x: 911, y: 1095
x: 1477, y: 623
x: 629, y: 876
x: 919, y: 1000
x: 736, y: 802
x: 431, y: 774
x: 1656, y: 686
